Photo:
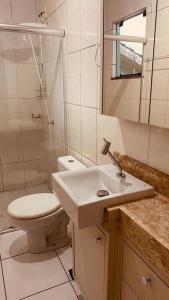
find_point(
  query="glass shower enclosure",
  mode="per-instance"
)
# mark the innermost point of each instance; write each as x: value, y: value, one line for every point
x: 31, y: 111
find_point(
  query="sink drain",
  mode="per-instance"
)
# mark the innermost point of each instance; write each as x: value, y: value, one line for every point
x: 102, y: 193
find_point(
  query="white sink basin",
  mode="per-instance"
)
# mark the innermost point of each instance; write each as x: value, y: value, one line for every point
x: 78, y: 192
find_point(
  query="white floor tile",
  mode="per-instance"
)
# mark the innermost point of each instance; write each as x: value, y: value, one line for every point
x: 2, y: 290
x: 62, y: 292
x: 12, y: 244
x: 65, y: 255
x: 32, y: 273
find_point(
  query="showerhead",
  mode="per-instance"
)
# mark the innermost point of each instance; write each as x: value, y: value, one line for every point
x: 106, y: 147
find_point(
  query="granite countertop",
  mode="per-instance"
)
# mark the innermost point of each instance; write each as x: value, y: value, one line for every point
x: 145, y: 223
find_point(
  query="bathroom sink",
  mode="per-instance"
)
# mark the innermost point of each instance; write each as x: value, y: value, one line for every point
x: 84, y: 193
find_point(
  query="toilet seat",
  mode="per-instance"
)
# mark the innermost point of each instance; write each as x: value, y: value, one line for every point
x: 34, y: 206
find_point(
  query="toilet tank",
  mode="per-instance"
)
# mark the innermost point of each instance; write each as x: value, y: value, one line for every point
x: 69, y: 163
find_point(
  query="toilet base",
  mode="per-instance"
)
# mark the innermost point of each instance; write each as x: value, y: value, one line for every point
x: 38, y: 243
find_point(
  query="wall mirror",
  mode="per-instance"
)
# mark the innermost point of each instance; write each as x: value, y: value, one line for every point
x: 128, y: 48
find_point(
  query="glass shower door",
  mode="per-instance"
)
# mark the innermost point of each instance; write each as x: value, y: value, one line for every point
x: 31, y: 114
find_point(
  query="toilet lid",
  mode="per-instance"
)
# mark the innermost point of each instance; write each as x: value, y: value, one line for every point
x: 34, y: 206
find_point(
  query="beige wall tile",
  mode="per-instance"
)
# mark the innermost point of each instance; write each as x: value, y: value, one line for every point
x: 9, y: 116
x: 13, y: 176
x: 11, y: 149
x: 34, y: 172
x: 8, y: 82
x: 32, y: 144
x: 162, y: 4
x: 28, y: 81
x: 158, y: 113
x: 1, y: 183
x: 27, y: 108
x: 122, y: 108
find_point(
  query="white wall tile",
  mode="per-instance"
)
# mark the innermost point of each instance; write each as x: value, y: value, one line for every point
x: 72, y: 62
x: 133, y: 140
x: 159, y: 149
x: 74, y: 126
x: 48, y: 5
x: 73, y: 25
x: 89, y: 22
x: 89, y: 119
x: 23, y: 11
x: 107, y: 127
x: 5, y: 11
x: 89, y: 78
x: 162, y: 41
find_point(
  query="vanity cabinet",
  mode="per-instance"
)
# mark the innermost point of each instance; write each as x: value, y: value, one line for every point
x: 89, y: 247
x: 138, y: 280
x: 106, y: 267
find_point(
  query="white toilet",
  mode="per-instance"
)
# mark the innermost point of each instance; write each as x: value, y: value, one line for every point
x: 41, y: 215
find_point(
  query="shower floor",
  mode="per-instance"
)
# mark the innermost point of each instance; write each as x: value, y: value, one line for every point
x: 7, y: 197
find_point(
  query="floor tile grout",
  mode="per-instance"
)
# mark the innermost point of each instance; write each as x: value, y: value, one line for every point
x: 3, y: 279
x: 41, y: 292
x: 70, y: 281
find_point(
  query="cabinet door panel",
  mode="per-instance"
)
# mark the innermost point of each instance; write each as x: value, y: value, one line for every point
x: 136, y: 272
x: 127, y: 293
x: 89, y: 250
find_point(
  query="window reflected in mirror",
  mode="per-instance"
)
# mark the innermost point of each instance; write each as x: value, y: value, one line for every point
x: 128, y: 56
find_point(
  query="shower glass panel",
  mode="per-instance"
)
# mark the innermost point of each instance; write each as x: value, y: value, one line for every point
x: 31, y: 115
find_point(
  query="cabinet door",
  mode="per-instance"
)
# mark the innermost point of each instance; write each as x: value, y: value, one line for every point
x: 89, y: 265
x: 146, y: 284
x: 127, y: 293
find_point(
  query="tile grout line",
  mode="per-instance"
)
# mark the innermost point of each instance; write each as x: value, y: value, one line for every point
x: 29, y: 253
x: 70, y: 281
x: 41, y: 292
x: 3, y: 278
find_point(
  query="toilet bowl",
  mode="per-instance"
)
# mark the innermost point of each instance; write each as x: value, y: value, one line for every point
x: 41, y: 215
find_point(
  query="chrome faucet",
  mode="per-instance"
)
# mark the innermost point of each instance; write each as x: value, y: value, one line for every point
x: 106, y: 151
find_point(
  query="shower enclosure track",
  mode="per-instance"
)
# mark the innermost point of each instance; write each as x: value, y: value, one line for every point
x: 33, y: 29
